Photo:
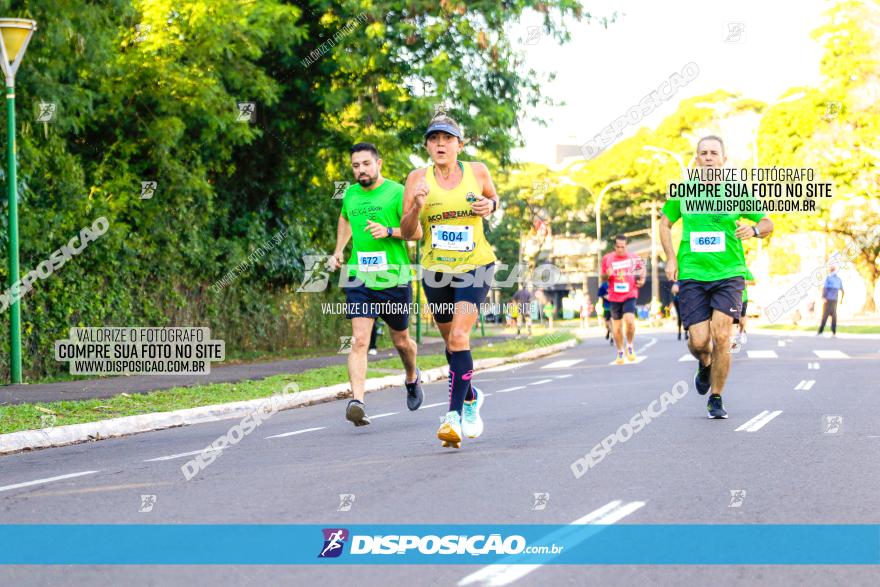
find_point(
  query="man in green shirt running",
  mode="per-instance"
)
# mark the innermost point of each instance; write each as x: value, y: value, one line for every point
x: 710, y: 267
x: 378, y: 274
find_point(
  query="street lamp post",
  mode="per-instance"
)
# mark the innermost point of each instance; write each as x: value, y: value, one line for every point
x: 672, y: 154
x: 16, y: 34
x: 598, y: 207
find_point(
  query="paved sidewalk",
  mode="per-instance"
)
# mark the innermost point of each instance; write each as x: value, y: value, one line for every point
x: 111, y: 386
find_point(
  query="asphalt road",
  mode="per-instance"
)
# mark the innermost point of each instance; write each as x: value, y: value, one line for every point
x: 539, y: 417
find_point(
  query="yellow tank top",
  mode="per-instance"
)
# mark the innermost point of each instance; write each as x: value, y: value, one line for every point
x: 454, y: 239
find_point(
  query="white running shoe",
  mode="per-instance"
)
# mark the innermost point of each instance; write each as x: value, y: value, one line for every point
x: 471, y: 423
x: 450, y: 430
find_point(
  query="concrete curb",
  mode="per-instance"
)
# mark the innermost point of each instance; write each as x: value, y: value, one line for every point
x: 115, y: 427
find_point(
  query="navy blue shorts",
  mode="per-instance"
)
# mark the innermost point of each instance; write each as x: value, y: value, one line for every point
x: 390, y: 304
x: 444, y: 290
x: 698, y: 299
x: 618, y: 309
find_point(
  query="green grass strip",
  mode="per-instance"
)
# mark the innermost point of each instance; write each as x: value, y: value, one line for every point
x: 14, y: 418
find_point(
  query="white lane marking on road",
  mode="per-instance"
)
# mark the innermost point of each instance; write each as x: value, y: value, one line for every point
x: 46, y: 480
x: 434, y: 405
x: 177, y: 456
x: 639, y: 359
x: 510, y: 389
x: 562, y: 364
x: 505, y: 574
x: 566, y: 376
x: 687, y: 357
x: 541, y: 382
x: 813, y: 366
x: 506, y: 367
x: 805, y: 384
x: 762, y: 354
x: 833, y: 354
x: 758, y: 421
x: 295, y: 432
x: 382, y: 415
x: 781, y: 343
x: 648, y: 345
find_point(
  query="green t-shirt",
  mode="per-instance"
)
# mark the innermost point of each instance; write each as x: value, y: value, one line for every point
x: 748, y: 277
x: 709, y: 249
x: 379, y: 262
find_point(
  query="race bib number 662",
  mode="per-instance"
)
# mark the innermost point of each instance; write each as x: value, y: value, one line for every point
x: 707, y: 242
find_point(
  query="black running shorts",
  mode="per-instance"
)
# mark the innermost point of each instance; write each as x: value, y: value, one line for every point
x: 390, y: 304
x: 618, y: 309
x: 444, y: 290
x: 698, y: 299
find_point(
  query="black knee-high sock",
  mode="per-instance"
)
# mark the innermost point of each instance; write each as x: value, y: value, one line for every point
x: 469, y: 396
x: 461, y: 368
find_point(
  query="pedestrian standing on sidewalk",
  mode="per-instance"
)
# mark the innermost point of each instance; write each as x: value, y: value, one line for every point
x: 832, y: 292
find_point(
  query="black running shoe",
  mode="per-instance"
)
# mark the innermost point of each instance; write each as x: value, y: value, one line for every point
x: 356, y: 413
x: 716, y: 409
x: 701, y: 380
x: 414, y: 395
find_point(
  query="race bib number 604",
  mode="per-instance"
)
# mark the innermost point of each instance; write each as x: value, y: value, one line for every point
x: 452, y: 238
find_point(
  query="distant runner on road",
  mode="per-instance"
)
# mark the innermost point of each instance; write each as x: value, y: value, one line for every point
x: 625, y: 274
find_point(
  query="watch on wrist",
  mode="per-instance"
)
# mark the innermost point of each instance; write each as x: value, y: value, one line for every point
x: 494, y: 204
x: 390, y: 231
x: 757, y: 233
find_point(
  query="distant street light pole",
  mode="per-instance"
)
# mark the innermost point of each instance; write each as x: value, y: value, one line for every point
x: 16, y: 34
x: 678, y: 158
x: 612, y: 184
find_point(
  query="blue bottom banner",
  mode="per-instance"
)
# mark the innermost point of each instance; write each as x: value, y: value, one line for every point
x: 270, y: 544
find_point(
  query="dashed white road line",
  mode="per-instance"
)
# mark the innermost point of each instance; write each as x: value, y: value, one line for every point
x: 541, y: 382
x: 179, y: 455
x: 505, y: 574
x: 434, y: 405
x: 639, y: 359
x: 295, y: 432
x: 507, y: 367
x: 813, y: 366
x: 805, y: 385
x: 566, y: 376
x: 758, y: 421
x: 832, y: 354
x: 562, y: 364
x: 687, y: 357
x: 383, y: 415
x: 762, y: 354
x: 46, y: 480
x: 510, y: 389
x: 647, y: 345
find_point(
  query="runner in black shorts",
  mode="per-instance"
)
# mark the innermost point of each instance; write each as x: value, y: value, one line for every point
x: 710, y: 266
x: 378, y: 272
x: 446, y: 203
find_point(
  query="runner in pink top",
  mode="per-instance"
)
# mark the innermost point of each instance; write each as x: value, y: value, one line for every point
x: 625, y: 273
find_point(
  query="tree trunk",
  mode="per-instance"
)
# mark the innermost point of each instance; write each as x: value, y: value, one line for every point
x: 870, y: 280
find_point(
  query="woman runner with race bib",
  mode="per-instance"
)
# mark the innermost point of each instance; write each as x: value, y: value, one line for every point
x: 445, y: 204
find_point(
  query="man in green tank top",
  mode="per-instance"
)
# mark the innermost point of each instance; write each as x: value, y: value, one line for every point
x: 378, y: 274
